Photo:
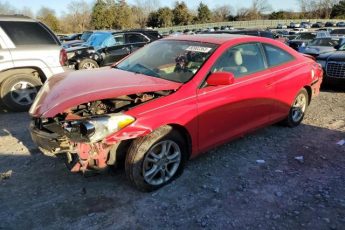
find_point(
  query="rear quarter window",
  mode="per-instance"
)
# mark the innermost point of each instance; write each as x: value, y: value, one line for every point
x: 28, y: 33
x: 276, y: 56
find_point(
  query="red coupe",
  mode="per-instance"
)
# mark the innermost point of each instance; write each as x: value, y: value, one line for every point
x: 171, y: 100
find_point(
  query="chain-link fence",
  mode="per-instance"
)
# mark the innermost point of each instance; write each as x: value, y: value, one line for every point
x: 243, y: 24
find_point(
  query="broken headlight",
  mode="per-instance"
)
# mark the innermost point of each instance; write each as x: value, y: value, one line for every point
x: 95, y: 129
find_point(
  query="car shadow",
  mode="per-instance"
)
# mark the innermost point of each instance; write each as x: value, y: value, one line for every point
x: 333, y: 86
x: 42, y: 184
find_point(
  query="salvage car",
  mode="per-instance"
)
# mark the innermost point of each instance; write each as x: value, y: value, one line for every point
x: 78, y: 41
x: 72, y: 37
x: 170, y: 101
x: 321, y: 45
x: 333, y: 64
x: 105, y: 48
x: 301, y: 40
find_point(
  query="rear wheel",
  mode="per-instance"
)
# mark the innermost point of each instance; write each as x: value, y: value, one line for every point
x: 156, y: 159
x: 88, y: 64
x: 18, y: 91
x: 298, y: 109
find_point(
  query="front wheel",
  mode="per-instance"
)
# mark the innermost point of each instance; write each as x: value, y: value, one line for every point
x: 156, y: 159
x: 18, y: 91
x: 298, y: 109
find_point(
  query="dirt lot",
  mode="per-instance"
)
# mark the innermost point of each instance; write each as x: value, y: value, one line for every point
x: 224, y: 188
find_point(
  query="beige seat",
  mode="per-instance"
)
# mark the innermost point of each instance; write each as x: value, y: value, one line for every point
x: 235, y: 64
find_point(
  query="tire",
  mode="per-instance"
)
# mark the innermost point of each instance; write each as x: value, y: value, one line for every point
x: 298, y: 109
x: 88, y: 64
x: 18, y: 91
x: 149, y: 171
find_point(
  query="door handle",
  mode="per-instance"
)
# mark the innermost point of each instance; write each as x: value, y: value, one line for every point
x: 269, y: 85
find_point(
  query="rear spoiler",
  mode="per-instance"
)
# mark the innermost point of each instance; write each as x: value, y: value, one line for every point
x: 309, y: 56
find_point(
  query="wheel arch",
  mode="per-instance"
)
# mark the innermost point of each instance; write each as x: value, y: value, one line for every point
x: 36, y: 71
x: 186, y: 135
x: 310, y: 93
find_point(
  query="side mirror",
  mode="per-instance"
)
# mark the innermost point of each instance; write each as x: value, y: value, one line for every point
x: 220, y: 78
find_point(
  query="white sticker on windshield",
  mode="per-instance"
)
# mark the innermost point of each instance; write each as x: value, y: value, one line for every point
x: 200, y: 49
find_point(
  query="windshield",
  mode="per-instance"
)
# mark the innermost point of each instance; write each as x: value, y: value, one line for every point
x: 171, y: 60
x: 305, y: 36
x: 323, y: 42
x: 98, y: 40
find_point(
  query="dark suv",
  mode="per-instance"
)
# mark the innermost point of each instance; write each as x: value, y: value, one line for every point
x: 106, y: 47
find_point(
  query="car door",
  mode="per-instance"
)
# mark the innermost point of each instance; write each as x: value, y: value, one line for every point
x: 116, y: 49
x: 229, y: 111
x: 5, y: 54
x: 284, y: 70
x: 136, y: 40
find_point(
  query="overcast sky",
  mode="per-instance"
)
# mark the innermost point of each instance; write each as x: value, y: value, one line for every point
x: 60, y: 5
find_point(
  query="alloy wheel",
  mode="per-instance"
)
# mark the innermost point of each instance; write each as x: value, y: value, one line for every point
x: 161, y: 162
x: 23, y: 93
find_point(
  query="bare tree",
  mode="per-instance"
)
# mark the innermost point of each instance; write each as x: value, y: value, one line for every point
x: 7, y: 8
x: 79, y: 12
x: 327, y: 6
x: 317, y: 8
x: 222, y: 13
x: 242, y: 14
x: 258, y: 8
x: 26, y: 11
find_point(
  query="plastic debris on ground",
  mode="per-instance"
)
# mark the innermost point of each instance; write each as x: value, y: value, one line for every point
x: 341, y: 142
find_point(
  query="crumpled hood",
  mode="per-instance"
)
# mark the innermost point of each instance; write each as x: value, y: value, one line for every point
x: 70, y: 89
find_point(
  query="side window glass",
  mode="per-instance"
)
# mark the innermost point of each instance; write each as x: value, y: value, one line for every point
x: 135, y: 38
x: 27, y: 33
x: 119, y: 39
x: 110, y: 41
x: 241, y: 60
x: 276, y: 56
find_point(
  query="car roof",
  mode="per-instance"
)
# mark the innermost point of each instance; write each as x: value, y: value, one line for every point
x: 210, y: 38
x: 16, y: 17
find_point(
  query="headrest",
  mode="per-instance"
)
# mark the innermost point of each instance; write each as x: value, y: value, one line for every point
x: 237, y: 57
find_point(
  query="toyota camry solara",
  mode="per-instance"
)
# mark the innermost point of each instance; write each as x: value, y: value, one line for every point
x: 171, y: 100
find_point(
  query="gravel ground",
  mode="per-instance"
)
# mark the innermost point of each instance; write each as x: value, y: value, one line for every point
x: 275, y: 178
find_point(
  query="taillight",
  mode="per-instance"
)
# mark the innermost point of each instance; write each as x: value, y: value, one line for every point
x: 63, y: 57
x: 316, y: 71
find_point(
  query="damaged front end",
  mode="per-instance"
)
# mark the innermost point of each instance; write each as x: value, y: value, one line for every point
x: 80, y: 132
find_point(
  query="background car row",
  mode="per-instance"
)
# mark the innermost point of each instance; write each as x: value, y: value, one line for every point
x: 31, y: 52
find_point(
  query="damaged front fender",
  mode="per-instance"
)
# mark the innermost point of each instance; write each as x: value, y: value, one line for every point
x: 130, y: 132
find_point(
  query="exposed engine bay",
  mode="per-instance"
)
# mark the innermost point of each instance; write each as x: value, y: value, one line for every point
x: 115, y: 105
x: 80, y: 131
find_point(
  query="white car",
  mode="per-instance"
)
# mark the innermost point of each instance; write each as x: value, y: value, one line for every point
x: 295, y: 25
x: 300, y: 30
x: 281, y: 26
